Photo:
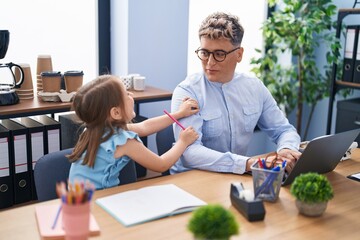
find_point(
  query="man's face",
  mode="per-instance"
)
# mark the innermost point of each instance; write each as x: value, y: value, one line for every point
x: 215, y: 71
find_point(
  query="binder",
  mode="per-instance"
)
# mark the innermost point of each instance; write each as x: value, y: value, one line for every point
x: 6, y: 180
x: 349, y: 58
x: 52, y: 136
x: 18, y: 154
x: 356, y: 75
x: 36, y: 146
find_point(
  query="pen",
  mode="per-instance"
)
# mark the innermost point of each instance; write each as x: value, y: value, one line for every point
x: 176, y: 121
x: 56, y: 218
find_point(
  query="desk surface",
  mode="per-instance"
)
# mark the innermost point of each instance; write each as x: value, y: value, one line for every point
x: 36, y: 106
x: 340, y: 221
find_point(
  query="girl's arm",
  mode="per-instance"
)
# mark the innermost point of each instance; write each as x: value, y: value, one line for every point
x: 153, y: 125
x: 142, y: 155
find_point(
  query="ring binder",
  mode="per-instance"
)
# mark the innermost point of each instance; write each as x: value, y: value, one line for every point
x: 349, y: 54
x: 19, y: 162
x: 52, y: 136
x: 356, y: 75
x: 6, y: 181
x: 36, y: 146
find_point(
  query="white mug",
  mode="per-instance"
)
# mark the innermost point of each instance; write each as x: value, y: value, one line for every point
x: 127, y: 81
x: 139, y: 83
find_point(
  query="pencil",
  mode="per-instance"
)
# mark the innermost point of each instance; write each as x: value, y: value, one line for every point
x: 176, y: 121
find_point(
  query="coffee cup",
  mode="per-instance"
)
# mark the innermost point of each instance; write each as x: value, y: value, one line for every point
x: 73, y: 80
x: 127, y: 81
x: 139, y: 83
x: 51, y: 81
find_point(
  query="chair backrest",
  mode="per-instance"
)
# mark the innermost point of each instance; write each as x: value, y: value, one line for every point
x: 164, y: 141
x: 54, y: 167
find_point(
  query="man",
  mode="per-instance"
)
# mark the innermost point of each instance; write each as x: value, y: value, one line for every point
x: 231, y: 105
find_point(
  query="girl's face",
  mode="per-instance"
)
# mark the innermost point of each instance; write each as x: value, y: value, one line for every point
x: 129, y: 105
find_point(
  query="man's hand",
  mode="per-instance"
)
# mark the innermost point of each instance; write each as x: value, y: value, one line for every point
x: 291, y: 156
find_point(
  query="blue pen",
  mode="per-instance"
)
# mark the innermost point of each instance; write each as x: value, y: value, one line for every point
x: 56, y: 217
x: 264, y: 163
x: 284, y: 164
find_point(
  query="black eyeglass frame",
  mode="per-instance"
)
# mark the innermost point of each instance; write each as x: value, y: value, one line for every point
x: 209, y: 53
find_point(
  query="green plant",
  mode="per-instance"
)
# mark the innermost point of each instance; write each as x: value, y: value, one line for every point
x: 312, y: 188
x: 213, y: 222
x: 298, y: 29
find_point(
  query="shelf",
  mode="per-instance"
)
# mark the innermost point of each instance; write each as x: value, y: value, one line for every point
x: 338, y: 84
x: 348, y: 84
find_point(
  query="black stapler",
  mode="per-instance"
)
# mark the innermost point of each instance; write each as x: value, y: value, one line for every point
x: 253, y: 210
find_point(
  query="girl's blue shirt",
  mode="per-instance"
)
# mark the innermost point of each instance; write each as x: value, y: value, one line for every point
x: 106, y: 170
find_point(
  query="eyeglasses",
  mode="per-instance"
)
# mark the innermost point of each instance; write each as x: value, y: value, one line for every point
x: 219, y: 55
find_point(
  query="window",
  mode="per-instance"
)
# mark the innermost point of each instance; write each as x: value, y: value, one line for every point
x: 64, y: 29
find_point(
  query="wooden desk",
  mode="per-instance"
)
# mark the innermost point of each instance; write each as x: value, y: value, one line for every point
x: 340, y: 221
x: 37, y: 107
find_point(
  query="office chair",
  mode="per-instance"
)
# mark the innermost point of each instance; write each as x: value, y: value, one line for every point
x: 164, y: 141
x: 54, y: 167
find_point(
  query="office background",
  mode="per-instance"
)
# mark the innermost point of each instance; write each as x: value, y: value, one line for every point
x: 155, y: 38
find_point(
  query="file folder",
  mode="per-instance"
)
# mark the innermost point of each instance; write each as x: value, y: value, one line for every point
x: 349, y: 54
x: 36, y: 146
x: 18, y: 154
x: 356, y: 76
x: 52, y: 136
x: 6, y: 180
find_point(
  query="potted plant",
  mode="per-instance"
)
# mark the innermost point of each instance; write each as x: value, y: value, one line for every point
x: 296, y: 29
x: 312, y: 192
x: 213, y: 222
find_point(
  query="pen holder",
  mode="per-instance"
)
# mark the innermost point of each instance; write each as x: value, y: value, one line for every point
x: 252, y: 210
x: 76, y: 220
x: 267, y: 182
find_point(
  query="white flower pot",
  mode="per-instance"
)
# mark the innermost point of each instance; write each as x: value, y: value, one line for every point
x: 311, y: 209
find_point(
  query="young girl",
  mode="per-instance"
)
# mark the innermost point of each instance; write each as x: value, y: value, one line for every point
x: 110, y: 141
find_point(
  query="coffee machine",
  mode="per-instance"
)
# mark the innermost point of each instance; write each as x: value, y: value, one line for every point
x: 8, y: 82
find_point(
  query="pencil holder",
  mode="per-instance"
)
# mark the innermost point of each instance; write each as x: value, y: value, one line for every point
x: 267, y: 182
x: 76, y: 220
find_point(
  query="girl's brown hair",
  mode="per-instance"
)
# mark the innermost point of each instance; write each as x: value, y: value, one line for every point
x: 92, y: 104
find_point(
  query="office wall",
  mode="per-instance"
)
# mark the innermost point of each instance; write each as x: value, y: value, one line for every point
x: 150, y: 38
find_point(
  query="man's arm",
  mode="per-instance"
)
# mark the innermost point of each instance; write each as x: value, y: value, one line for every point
x: 198, y: 156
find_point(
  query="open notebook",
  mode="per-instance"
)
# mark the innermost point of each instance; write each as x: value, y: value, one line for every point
x: 45, y: 215
x: 149, y: 203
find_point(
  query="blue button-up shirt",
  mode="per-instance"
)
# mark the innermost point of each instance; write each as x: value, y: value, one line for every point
x: 228, y: 115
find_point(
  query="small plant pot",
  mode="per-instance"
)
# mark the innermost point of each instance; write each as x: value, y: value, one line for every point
x: 311, y: 209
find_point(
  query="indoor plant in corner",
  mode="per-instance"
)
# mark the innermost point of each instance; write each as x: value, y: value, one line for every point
x: 312, y: 192
x: 213, y: 222
x: 298, y: 29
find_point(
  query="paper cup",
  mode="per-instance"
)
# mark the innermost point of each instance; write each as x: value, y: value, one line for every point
x: 27, y: 83
x: 73, y: 80
x: 51, y: 81
x: 44, y: 64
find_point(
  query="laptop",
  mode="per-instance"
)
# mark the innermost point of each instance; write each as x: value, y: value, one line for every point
x: 322, y: 154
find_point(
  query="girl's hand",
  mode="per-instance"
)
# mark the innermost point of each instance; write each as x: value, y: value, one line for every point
x: 188, y: 136
x: 188, y: 107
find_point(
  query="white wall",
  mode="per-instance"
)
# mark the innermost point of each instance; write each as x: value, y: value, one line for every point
x: 150, y: 38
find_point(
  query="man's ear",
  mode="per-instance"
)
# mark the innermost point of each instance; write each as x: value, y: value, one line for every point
x: 240, y: 53
x: 115, y: 113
